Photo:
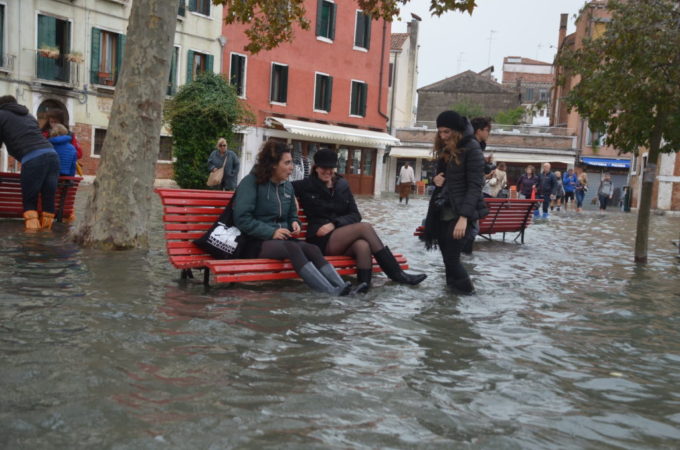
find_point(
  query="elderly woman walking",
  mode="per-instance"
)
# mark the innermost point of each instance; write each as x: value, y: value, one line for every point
x: 223, y: 157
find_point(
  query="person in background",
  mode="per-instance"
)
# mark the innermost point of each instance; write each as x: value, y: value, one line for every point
x: 335, y: 226
x: 546, y: 188
x: 559, y: 192
x: 526, y: 182
x: 496, y: 181
x: 62, y: 143
x: 57, y: 117
x: 265, y: 211
x: 39, y: 162
x: 605, y: 191
x: 581, y: 187
x: 457, y: 202
x: 406, y: 180
x: 231, y: 166
x: 569, y: 181
x: 482, y: 129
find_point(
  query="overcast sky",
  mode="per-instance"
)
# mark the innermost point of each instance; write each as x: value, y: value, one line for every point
x: 456, y: 42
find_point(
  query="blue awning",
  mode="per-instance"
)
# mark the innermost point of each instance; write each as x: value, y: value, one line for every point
x: 604, y: 162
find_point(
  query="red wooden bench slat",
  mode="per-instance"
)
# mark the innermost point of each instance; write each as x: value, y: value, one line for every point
x: 188, y: 213
x: 11, y: 202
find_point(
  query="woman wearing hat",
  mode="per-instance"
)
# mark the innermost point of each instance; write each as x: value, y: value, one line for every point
x: 457, y: 201
x: 335, y: 226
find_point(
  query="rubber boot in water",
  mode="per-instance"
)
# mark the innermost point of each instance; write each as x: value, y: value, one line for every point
x: 315, y: 280
x: 363, y: 281
x: 462, y: 286
x: 335, y: 279
x: 390, y: 266
x: 31, y: 221
x: 46, y: 220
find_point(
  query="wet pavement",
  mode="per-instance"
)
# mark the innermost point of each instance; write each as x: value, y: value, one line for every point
x: 567, y: 344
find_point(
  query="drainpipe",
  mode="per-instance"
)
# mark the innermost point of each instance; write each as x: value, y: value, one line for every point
x: 382, y: 69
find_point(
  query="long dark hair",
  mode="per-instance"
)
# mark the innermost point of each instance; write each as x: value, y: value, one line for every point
x: 269, y: 156
x: 448, y: 149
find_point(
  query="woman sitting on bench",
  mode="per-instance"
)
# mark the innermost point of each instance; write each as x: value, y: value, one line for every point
x: 335, y: 226
x: 266, y: 212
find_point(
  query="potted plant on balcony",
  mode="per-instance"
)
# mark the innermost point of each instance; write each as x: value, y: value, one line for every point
x: 49, y: 52
x: 74, y: 57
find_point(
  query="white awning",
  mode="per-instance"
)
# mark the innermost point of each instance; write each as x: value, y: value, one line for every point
x: 531, y: 159
x: 334, y: 133
x: 410, y: 152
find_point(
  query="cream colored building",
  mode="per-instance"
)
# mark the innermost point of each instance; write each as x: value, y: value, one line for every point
x: 67, y: 54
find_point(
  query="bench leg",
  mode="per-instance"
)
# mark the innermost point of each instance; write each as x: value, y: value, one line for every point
x: 206, y: 277
x: 186, y: 274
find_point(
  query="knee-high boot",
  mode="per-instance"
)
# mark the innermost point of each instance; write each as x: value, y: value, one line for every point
x: 461, y: 286
x: 315, y: 280
x: 390, y: 266
x: 335, y: 279
x: 363, y: 281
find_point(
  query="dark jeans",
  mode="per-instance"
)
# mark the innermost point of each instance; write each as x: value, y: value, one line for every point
x: 546, y: 202
x: 450, y: 249
x: 604, y: 199
x: 39, y: 176
x: 579, y: 198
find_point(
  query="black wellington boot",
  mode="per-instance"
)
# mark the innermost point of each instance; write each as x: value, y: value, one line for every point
x: 363, y: 281
x: 462, y: 286
x: 390, y: 266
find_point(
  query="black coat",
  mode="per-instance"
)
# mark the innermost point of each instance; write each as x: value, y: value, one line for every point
x: 323, y: 205
x: 19, y: 131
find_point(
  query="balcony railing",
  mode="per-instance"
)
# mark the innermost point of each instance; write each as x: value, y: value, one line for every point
x: 58, y: 68
x: 7, y: 62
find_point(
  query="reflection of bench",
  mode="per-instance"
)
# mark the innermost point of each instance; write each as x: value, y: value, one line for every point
x: 11, y: 204
x: 188, y: 213
x: 505, y: 216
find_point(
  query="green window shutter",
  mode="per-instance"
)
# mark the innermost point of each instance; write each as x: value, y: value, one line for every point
x: 47, y: 37
x: 209, y: 63
x: 317, y: 92
x: 192, y: 5
x: 367, y: 22
x: 331, y: 18
x: 364, y: 94
x: 172, y: 82
x: 284, y: 84
x: 359, y: 33
x: 94, y: 56
x: 190, y: 66
x: 319, y: 17
x: 181, y: 9
x: 329, y: 94
x: 120, y: 56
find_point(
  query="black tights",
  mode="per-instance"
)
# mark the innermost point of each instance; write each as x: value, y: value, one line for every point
x: 451, y: 249
x: 299, y: 252
x: 358, y: 240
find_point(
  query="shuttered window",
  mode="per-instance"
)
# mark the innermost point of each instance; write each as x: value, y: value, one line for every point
x: 237, y: 73
x: 197, y: 63
x: 200, y: 6
x: 172, y: 80
x: 106, y: 59
x: 279, y: 83
x: 362, y: 33
x: 323, y: 92
x: 54, y: 43
x: 325, y: 19
x: 358, y: 101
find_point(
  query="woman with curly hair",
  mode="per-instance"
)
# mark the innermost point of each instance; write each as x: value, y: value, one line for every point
x: 265, y: 211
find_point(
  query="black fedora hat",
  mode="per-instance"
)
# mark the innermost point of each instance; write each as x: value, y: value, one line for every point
x: 326, y: 158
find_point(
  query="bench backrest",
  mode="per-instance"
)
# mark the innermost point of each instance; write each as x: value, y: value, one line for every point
x: 506, y: 215
x: 11, y: 202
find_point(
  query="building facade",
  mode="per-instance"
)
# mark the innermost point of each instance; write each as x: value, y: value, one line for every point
x: 533, y: 80
x: 67, y: 55
x: 328, y: 88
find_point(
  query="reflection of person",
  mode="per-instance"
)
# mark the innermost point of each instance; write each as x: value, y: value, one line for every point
x: 457, y: 201
x: 231, y: 165
x: 39, y: 162
x: 581, y: 187
x: 61, y: 141
x: 335, y: 226
x: 265, y: 211
x: 605, y: 191
x: 406, y: 179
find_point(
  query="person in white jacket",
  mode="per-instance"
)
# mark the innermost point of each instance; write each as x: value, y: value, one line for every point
x: 406, y: 179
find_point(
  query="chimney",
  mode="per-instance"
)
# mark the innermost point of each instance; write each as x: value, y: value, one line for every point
x: 564, y: 18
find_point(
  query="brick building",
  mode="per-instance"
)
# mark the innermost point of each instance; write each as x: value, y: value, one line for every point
x: 533, y: 80
x: 326, y: 89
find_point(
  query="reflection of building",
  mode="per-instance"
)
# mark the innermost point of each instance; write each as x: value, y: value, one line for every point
x: 626, y: 169
x: 327, y: 88
x: 534, y: 80
x: 67, y: 55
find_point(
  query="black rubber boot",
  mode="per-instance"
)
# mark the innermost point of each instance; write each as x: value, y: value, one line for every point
x: 315, y: 280
x: 335, y: 279
x: 462, y: 286
x: 390, y: 266
x: 363, y: 281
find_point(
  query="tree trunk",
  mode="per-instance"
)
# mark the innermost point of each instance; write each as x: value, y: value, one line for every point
x: 117, y: 212
x: 645, y: 206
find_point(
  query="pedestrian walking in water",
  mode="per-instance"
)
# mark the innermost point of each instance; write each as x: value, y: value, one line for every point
x: 569, y: 181
x: 605, y: 191
x: 457, y: 201
x: 406, y: 180
x: 581, y: 187
x: 224, y: 158
x: 546, y: 188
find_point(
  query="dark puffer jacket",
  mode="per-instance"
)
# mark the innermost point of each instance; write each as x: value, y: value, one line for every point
x: 19, y: 131
x: 323, y: 205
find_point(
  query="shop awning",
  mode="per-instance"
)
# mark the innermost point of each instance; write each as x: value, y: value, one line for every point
x: 605, y: 162
x: 334, y: 133
x: 411, y: 152
x: 530, y: 158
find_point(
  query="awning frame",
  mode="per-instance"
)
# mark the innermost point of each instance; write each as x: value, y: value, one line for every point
x: 334, y: 133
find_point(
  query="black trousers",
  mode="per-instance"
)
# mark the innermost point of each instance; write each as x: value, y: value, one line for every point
x: 39, y: 176
x: 451, y: 249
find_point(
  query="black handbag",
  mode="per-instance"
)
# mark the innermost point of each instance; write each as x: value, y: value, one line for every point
x: 223, y: 240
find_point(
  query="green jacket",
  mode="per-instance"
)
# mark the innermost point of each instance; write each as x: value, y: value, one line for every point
x: 261, y: 209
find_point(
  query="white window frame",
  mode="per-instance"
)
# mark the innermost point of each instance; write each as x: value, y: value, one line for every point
x: 271, y: 83
x: 354, y: 36
x: 314, y: 96
x: 351, y: 84
x: 245, y: 73
x: 94, y: 133
x: 335, y: 16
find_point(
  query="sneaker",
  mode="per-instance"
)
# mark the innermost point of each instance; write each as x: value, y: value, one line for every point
x: 546, y: 215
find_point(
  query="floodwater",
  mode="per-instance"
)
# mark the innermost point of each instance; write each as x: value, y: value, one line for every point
x: 567, y: 344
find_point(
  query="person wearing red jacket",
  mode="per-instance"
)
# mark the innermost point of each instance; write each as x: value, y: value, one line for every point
x: 54, y: 117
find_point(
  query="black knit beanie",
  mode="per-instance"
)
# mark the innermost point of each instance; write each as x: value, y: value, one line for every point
x: 452, y: 120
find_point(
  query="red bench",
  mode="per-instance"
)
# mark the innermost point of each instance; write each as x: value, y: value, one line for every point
x: 188, y: 213
x: 505, y: 216
x: 11, y: 204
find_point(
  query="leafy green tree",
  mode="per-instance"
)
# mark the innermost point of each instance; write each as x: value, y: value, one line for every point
x: 203, y: 111
x: 469, y: 109
x: 629, y: 88
x: 514, y: 116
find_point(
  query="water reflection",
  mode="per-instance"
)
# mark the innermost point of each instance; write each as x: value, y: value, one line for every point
x: 567, y: 344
